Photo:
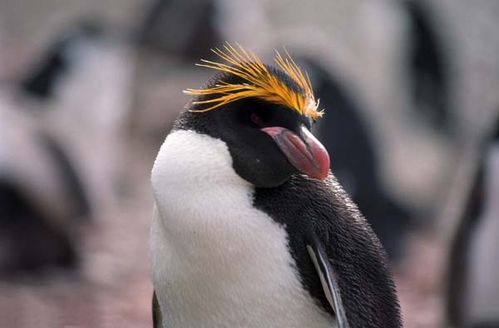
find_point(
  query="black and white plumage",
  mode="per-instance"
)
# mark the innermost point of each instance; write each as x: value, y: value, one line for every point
x: 43, y: 201
x: 250, y: 228
x: 44, y: 77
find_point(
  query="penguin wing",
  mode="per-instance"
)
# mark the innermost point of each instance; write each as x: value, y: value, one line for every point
x: 157, y: 316
x: 327, y: 278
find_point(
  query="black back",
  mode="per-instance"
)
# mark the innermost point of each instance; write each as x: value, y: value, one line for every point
x: 305, y: 205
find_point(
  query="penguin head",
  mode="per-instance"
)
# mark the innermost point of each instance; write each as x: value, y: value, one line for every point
x: 263, y: 114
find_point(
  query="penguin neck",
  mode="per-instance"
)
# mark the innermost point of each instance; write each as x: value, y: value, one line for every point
x: 189, y: 158
x: 195, y: 168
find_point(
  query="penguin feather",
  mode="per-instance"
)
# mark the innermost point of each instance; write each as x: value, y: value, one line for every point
x: 259, y: 82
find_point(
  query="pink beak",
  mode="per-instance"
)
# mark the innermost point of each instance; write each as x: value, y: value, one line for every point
x: 306, y: 154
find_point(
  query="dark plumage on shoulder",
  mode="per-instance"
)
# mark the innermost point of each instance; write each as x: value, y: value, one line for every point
x: 306, y: 206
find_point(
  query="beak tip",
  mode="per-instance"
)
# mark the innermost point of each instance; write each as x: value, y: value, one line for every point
x: 323, y: 171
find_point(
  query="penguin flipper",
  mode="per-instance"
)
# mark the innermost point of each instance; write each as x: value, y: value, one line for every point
x: 328, y: 279
x: 157, y: 316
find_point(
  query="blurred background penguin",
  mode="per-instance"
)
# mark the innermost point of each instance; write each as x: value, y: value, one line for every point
x: 89, y: 90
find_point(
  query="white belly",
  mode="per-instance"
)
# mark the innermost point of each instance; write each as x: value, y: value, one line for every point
x: 216, y: 260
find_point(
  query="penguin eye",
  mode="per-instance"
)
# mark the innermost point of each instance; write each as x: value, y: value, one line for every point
x: 256, y: 119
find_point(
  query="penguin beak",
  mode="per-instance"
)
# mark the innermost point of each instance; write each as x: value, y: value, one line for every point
x: 304, y: 152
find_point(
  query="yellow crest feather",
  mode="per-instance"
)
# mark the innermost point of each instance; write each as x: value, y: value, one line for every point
x: 260, y: 82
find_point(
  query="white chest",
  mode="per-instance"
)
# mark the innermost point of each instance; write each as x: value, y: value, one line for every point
x: 216, y: 260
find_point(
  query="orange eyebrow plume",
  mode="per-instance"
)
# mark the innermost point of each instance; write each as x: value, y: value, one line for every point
x: 260, y: 82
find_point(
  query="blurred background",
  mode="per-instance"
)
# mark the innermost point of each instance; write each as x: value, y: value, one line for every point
x: 89, y: 90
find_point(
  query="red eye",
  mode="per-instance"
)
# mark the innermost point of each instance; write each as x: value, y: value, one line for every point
x: 256, y: 119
